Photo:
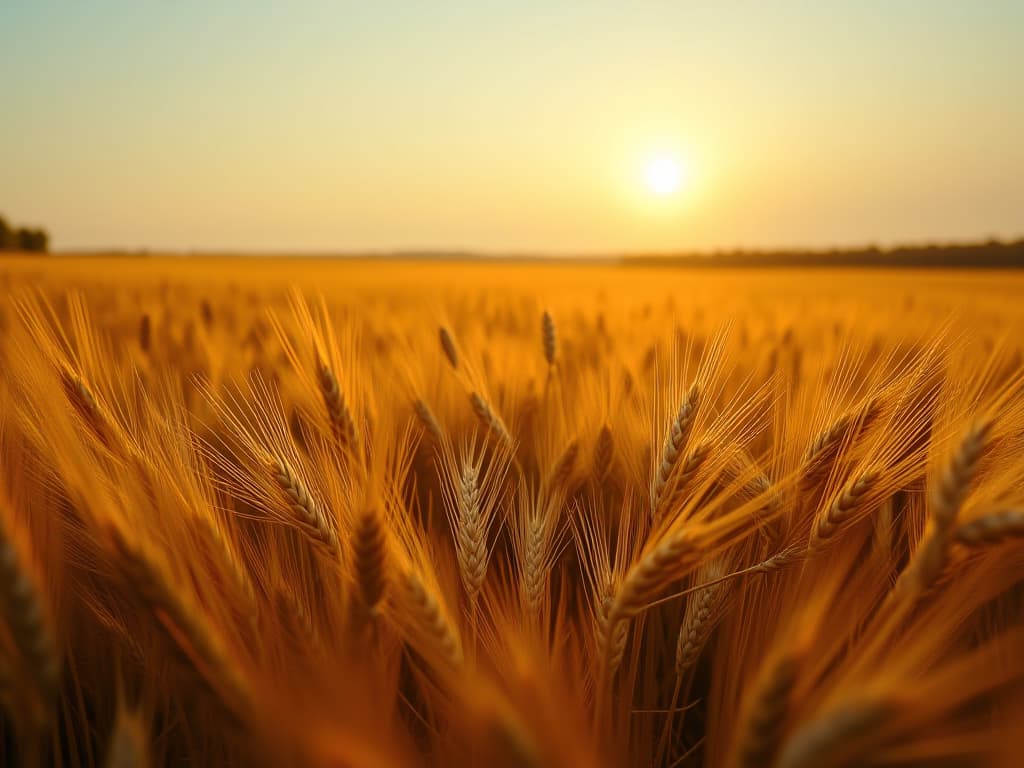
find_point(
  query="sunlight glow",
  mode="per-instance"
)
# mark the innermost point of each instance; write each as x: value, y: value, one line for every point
x: 663, y: 175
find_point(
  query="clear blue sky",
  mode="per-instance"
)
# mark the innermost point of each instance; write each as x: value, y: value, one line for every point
x: 511, y: 126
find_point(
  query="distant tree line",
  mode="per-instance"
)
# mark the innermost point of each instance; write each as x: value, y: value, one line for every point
x: 23, y: 238
x: 992, y: 254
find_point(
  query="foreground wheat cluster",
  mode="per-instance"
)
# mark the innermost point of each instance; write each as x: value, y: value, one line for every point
x: 376, y: 525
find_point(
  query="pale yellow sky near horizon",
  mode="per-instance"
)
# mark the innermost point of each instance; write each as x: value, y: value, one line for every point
x: 482, y: 126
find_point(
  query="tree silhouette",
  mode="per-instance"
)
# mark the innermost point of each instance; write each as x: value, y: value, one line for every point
x: 32, y: 240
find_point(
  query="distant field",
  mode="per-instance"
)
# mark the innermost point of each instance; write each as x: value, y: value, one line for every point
x: 359, y: 513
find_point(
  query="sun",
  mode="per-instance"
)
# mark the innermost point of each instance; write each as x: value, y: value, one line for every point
x: 663, y: 174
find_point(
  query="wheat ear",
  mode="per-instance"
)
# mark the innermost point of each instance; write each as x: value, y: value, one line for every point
x: 85, y: 403
x: 824, y: 449
x: 197, y: 643
x: 663, y: 562
x: 25, y: 608
x: 534, y: 568
x: 993, y: 528
x: 448, y: 347
x: 697, y: 620
x: 675, y: 441
x: 343, y: 425
x: 489, y: 419
x: 129, y: 743
x: 946, y: 499
x: 811, y: 745
x: 760, y: 730
x: 564, y: 467
x: 604, y: 454
x: 471, y: 532
x: 145, y: 332
x: 843, y: 507
x: 549, y: 338
x: 429, y: 421
x: 612, y: 639
x: 308, y: 514
x: 429, y: 620
x: 369, y: 559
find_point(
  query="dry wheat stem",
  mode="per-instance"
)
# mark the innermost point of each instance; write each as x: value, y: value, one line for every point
x: 775, y: 563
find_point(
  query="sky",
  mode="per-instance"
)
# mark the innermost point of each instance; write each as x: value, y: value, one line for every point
x: 243, y: 125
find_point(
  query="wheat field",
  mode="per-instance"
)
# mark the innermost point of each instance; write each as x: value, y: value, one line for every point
x: 298, y: 512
